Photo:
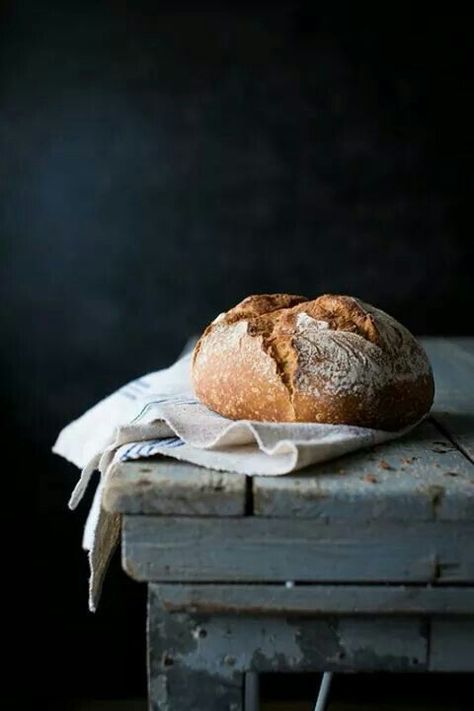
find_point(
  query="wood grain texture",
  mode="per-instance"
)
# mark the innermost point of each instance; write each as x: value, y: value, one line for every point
x: 171, y: 488
x: 420, y: 477
x: 453, y: 409
x: 180, y: 675
x: 224, y: 647
x: 317, y: 600
x: 255, y: 549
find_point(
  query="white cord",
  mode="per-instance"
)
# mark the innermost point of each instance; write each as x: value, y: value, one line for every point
x: 323, y: 692
x: 251, y: 702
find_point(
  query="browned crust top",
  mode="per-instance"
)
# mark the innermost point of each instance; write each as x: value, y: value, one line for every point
x: 308, y: 370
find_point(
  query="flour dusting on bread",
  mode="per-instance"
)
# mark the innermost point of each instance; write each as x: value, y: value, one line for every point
x: 344, y: 361
x: 279, y: 357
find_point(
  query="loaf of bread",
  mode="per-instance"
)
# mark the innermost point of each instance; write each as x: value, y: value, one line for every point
x: 282, y: 358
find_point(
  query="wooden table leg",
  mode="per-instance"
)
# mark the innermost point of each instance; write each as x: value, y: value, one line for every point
x: 180, y: 677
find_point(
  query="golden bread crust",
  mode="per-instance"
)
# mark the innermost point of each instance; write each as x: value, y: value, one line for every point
x: 334, y: 359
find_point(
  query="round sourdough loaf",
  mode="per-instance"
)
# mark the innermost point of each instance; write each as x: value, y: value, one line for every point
x: 282, y: 358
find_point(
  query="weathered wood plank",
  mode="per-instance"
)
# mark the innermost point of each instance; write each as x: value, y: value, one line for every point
x: 464, y: 342
x: 453, y: 367
x: 317, y: 600
x: 223, y: 647
x: 254, y: 549
x: 168, y: 487
x: 420, y: 477
x: 452, y: 646
x: 180, y: 677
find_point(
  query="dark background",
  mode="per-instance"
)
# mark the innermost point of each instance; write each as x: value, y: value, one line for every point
x: 159, y: 162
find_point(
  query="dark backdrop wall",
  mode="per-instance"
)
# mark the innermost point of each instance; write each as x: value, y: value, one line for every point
x: 160, y: 161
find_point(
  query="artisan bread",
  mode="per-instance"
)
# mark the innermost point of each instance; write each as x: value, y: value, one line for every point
x: 335, y: 359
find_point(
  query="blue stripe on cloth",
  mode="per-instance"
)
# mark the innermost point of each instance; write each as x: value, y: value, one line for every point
x: 149, y: 448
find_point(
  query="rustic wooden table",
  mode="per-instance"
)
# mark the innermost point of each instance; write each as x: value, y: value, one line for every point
x: 365, y: 563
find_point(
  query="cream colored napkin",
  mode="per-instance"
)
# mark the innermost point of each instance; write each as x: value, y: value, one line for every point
x: 159, y: 415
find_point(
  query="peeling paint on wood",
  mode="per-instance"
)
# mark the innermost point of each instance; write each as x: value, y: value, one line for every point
x: 381, y: 540
x: 232, y: 646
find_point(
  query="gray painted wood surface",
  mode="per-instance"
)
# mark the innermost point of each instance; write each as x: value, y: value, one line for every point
x: 198, y: 661
x: 453, y: 367
x: 267, y: 550
x: 381, y: 542
x: 317, y: 600
x: 171, y: 488
x: 227, y: 644
x: 180, y: 675
x: 420, y: 477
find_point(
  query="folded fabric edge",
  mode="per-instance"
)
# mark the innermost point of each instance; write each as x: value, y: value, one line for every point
x: 104, y: 545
